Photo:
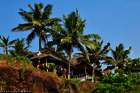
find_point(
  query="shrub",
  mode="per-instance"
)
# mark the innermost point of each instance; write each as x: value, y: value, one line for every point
x: 114, y: 83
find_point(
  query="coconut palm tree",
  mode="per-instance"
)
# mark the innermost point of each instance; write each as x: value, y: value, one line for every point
x: 19, y: 48
x: 5, y: 43
x: 38, y: 22
x: 120, y: 57
x: 96, y: 54
x: 71, y: 36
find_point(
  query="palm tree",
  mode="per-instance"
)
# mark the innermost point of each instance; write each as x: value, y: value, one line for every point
x: 120, y: 57
x: 71, y: 36
x: 20, y: 48
x: 96, y: 54
x: 38, y: 21
x: 6, y: 44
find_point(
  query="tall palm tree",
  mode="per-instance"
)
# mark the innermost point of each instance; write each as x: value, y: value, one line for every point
x: 96, y: 54
x: 5, y: 43
x: 20, y: 48
x: 71, y: 36
x: 38, y: 21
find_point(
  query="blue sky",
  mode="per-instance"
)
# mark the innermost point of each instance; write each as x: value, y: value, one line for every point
x: 116, y: 21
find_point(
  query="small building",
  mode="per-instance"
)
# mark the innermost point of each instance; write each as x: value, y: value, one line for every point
x: 44, y: 56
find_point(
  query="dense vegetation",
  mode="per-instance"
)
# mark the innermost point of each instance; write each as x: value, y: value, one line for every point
x: 66, y: 34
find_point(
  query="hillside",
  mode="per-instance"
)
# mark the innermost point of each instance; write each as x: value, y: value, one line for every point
x: 17, y: 75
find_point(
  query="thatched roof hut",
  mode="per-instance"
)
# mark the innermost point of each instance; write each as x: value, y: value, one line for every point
x: 45, y: 56
x: 81, y: 66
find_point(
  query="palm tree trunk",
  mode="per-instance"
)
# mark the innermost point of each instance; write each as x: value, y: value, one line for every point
x: 85, y: 73
x: 70, y: 56
x: 93, y: 74
x: 46, y: 46
x: 69, y: 66
x: 6, y: 51
x: 40, y: 42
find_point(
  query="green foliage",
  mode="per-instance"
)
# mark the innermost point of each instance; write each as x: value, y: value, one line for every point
x: 23, y: 59
x: 110, y: 88
x: 114, y: 83
x: 12, y: 59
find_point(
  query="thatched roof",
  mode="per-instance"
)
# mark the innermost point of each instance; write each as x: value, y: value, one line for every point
x: 80, y: 64
x: 44, y: 53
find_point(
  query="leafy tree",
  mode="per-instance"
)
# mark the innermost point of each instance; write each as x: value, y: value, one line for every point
x: 5, y: 44
x: 38, y: 21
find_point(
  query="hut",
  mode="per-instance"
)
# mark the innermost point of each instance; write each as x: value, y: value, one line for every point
x: 81, y: 68
x: 46, y: 56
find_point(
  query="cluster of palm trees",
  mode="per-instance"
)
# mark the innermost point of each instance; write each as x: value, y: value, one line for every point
x: 14, y: 47
x: 64, y: 35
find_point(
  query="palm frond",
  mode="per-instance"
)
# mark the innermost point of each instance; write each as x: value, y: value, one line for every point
x: 23, y: 27
x: 58, y: 54
x: 5, y: 40
x: 12, y: 42
x: 38, y: 6
x: 30, y: 6
x: 1, y: 45
x: 47, y: 11
x: 89, y: 43
x: 26, y: 16
x: 91, y: 36
x: 105, y: 49
x: 30, y: 37
x: 37, y: 11
x: 52, y: 21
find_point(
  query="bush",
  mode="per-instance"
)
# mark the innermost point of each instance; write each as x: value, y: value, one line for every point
x: 114, y: 83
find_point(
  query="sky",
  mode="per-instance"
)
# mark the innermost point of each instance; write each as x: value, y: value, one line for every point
x: 116, y: 21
